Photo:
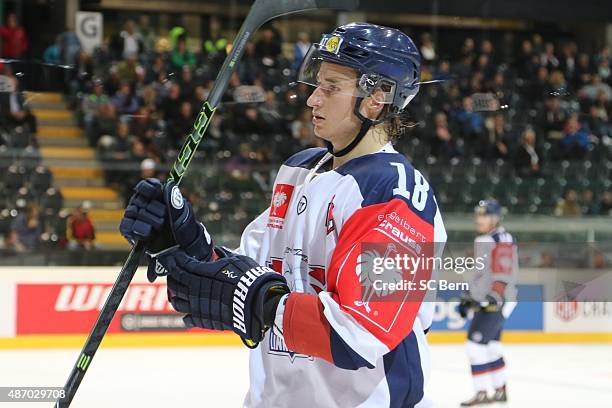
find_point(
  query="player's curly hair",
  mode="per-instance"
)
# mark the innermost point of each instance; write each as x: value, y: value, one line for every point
x: 396, y: 124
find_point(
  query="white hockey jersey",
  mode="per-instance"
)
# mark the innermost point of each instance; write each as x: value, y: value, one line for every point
x: 329, y: 348
x: 498, y: 252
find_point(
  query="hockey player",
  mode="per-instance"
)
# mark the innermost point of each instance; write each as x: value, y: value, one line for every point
x: 292, y: 289
x: 492, y: 294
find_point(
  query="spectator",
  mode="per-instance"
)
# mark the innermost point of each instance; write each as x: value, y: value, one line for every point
x: 471, y: 126
x: 428, y: 49
x: 126, y: 69
x: 177, y: 127
x: 528, y: 162
x: 82, y: 233
x: 27, y: 228
x: 181, y: 57
x: 605, y: 207
x: 14, y: 38
x: 300, y: 49
x: 554, y: 118
x: 268, y: 47
x: 91, y: 106
x: 127, y: 43
x: 53, y: 53
x: 443, y: 144
x: 500, y: 140
x: 124, y: 100
x: 592, y: 90
x: 548, y: 58
x: 584, y: 72
x: 587, y: 203
x: 575, y: 142
x: 568, y: 206
x: 13, y: 108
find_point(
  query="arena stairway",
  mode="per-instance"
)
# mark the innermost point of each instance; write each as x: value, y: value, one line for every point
x: 76, y: 171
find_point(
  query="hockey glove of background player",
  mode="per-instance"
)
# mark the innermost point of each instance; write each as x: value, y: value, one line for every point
x: 159, y: 215
x: 231, y: 293
x: 467, y: 303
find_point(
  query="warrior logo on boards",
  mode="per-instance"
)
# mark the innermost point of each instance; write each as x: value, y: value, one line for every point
x: 280, y: 204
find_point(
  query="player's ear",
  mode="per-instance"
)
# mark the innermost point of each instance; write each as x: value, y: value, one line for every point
x: 373, y: 104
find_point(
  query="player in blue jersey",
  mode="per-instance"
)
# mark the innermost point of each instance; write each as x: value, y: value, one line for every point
x: 492, y: 296
x: 293, y: 290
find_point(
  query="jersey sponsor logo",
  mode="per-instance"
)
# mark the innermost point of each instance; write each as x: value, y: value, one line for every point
x: 277, y: 347
x: 280, y: 203
x: 302, y: 204
x: 330, y: 224
x: 176, y: 198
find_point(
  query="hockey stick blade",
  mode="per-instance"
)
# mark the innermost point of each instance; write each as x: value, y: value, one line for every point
x: 261, y: 11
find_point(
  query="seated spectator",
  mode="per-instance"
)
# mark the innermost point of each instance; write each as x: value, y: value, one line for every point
x: 27, y: 228
x: 301, y: 48
x: 82, y: 234
x: 124, y: 100
x: 575, y: 142
x: 177, y: 127
x: 592, y: 90
x: 471, y: 126
x: 268, y: 47
x: 605, y: 207
x: 180, y: 56
x: 91, y: 106
x: 126, y: 69
x: 568, y: 206
x: 499, y: 138
x: 527, y: 161
x: 553, y: 118
x: 587, y: 204
x: 443, y: 144
x: 14, y: 109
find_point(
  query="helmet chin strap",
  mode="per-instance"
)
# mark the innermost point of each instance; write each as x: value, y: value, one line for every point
x: 366, y: 124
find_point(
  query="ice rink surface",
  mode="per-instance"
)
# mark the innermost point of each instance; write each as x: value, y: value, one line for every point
x: 569, y: 375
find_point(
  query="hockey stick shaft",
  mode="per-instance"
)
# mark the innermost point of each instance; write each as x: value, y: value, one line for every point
x: 261, y: 11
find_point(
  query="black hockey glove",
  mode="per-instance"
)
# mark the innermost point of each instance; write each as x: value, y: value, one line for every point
x: 467, y: 303
x: 159, y: 215
x: 231, y: 293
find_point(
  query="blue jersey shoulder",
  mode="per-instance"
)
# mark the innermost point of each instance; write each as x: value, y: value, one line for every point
x: 384, y: 176
x: 306, y: 158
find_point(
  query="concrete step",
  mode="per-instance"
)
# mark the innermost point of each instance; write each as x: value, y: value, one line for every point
x: 111, y: 239
x: 89, y: 193
x: 103, y: 215
x: 34, y: 102
x: 92, y: 171
x: 59, y: 132
x: 73, y: 163
x: 79, y: 182
x: 110, y: 226
x: 62, y: 142
x: 95, y: 204
x: 46, y: 97
x: 51, y: 114
x: 83, y: 153
x: 72, y: 122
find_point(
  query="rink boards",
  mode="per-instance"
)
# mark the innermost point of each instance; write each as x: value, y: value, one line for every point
x: 56, y: 307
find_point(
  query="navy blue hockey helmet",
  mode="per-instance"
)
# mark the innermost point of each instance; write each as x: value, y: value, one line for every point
x: 488, y: 207
x: 385, y: 59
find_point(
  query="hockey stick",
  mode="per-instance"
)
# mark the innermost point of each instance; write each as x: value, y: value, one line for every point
x: 261, y: 12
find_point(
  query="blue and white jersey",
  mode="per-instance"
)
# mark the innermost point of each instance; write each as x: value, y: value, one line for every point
x: 329, y: 348
x: 498, y: 251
